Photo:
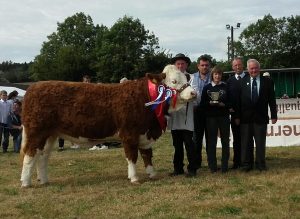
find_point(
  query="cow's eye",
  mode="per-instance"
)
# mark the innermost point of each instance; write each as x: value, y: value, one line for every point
x: 174, y: 81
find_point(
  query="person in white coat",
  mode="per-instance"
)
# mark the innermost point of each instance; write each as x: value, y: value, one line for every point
x: 181, y: 124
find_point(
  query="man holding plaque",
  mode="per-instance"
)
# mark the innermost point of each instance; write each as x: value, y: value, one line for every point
x: 255, y: 97
x: 215, y: 102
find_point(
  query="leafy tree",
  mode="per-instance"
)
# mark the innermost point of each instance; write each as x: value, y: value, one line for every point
x: 275, y: 42
x: 68, y: 52
x: 14, y: 72
x: 127, y: 49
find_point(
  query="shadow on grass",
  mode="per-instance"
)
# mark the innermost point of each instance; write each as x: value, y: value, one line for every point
x: 91, y: 180
x: 283, y: 163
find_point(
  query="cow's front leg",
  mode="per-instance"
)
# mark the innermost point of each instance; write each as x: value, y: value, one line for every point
x: 147, y: 158
x: 28, y: 165
x: 131, y: 157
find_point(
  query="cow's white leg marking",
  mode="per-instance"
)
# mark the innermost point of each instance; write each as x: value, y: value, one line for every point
x: 28, y: 165
x: 132, y: 171
x: 150, y: 171
x: 42, y: 161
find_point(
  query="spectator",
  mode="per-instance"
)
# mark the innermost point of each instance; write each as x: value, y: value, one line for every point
x: 233, y: 84
x: 182, y: 126
x: 255, y: 96
x: 12, y: 96
x: 215, y: 102
x: 61, y: 143
x: 5, y: 110
x: 15, y: 125
x: 200, y: 79
x: 86, y: 79
x: 285, y: 96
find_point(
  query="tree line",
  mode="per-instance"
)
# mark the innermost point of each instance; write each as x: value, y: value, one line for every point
x: 128, y: 49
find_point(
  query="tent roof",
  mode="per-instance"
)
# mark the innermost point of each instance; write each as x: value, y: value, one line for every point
x: 9, y: 87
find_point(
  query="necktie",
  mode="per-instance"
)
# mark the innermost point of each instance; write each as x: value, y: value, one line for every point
x: 254, y: 95
x: 239, y: 78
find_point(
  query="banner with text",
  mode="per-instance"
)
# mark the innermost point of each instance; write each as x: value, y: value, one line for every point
x: 286, y: 132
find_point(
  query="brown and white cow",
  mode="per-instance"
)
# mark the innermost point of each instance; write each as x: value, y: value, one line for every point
x: 94, y: 113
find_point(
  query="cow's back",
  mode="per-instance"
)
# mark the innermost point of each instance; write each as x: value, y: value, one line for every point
x: 88, y: 110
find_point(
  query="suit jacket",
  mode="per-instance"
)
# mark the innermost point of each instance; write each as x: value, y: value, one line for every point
x: 233, y: 86
x: 249, y: 112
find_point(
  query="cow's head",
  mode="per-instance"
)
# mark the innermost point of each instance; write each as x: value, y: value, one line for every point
x: 175, y: 79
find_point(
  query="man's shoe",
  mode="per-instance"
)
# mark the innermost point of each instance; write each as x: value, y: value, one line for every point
x: 191, y: 174
x: 176, y: 173
x: 104, y: 147
x: 246, y: 169
x: 224, y: 170
x: 235, y: 166
x: 60, y: 148
x: 262, y: 168
x: 94, y: 148
x: 75, y: 146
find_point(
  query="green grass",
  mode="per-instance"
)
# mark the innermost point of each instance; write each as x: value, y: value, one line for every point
x: 94, y: 184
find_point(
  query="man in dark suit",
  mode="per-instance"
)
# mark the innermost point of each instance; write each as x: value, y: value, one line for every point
x: 233, y: 85
x: 256, y: 95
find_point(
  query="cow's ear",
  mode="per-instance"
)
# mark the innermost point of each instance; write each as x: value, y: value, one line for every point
x: 156, y: 78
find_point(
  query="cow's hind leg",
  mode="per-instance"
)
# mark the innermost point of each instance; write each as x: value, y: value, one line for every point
x: 147, y: 158
x: 28, y: 165
x: 29, y: 154
x: 42, y: 160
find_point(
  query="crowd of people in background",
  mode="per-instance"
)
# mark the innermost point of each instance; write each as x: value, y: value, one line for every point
x: 10, y: 120
x: 242, y: 103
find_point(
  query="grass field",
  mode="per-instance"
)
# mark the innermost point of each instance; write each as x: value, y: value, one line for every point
x: 93, y: 184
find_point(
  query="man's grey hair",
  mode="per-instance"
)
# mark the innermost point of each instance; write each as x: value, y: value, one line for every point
x: 253, y: 60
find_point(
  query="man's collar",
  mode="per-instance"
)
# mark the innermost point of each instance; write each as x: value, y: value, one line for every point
x: 241, y: 75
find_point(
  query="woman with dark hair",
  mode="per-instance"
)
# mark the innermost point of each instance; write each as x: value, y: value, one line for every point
x: 215, y: 102
x: 15, y: 125
x: 12, y: 96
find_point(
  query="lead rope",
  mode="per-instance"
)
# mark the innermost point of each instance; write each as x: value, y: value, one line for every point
x: 186, y: 111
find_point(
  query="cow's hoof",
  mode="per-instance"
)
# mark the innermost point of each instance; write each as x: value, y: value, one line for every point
x: 136, y: 183
x: 152, y: 175
x: 23, y: 186
x: 44, y: 183
x: 134, y: 180
x: 150, y: 171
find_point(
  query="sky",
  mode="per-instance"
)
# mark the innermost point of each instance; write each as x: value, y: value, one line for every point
x: 192, y: 27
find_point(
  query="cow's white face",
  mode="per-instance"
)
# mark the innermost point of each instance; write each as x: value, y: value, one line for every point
x: 176, y: 79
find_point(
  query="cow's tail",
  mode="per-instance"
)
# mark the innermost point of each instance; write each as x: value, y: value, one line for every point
x: 22, y: 150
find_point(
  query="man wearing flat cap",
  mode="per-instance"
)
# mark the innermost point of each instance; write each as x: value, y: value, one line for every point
x: 181, y: 124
